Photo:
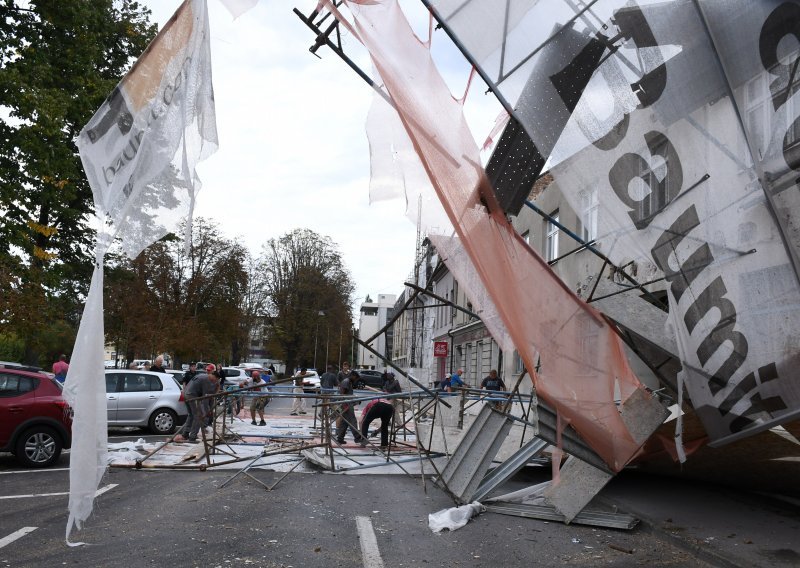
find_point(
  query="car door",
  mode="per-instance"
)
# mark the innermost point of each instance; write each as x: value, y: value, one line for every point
x: 112, y: 395
x: 17, y: 403
x: 138, y: 396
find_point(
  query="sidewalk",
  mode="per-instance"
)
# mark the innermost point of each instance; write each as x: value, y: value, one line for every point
x: 722, y: 526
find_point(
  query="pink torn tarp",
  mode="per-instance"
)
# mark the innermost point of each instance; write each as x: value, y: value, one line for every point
x: 583, y: 365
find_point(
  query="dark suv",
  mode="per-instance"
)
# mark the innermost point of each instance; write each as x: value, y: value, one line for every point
x: 35, y: 420
x: 369, y: 378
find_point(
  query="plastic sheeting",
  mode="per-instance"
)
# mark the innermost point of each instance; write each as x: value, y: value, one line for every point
x: 581, y: 357
x: 454, y: 518
x: 139, y: 151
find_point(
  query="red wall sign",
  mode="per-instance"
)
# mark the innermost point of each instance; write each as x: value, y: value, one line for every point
x: 440, y: 349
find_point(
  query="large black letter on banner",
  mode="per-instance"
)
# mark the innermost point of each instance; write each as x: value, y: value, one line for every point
x: 783, y: 21
x: 662, y: 192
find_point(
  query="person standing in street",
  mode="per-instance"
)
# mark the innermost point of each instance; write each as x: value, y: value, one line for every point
x: 392, y: 386
x: 203, y: 384
x: 259, y: 400
x: 158, y: 365
x: 60, y: 368
x: 328, y: 383
x: 299, y: 404
x: 329, y: 380
x: 492, y: 382
x: 377, y: 408
x: 189, y: 375
x: 344, y: 372
x: 347, y: 418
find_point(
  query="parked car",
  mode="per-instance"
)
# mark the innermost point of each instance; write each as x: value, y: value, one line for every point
x: 146, y: 399
x: 178, y: 374
x: 369, y: 378
x: 311, y: 381
x: 234, y: 375
x: 19, y: 367
x: 35, y: 420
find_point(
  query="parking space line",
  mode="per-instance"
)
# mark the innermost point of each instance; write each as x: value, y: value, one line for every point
x: 96, y: 494
x: 369, y: 543
x: 102, y: 490
x: 15, y: 535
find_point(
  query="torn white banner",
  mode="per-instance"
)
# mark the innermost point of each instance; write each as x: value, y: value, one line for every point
x: 139, y: 152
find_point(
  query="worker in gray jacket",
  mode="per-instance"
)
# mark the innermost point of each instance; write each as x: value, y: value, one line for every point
x: 201, y: 385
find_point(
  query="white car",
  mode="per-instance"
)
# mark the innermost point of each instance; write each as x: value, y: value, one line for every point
x: 146, y: 399
x: 311, y: 381
x: 233, y: 376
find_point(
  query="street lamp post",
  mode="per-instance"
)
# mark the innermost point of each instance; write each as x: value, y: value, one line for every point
x: 316, y: 335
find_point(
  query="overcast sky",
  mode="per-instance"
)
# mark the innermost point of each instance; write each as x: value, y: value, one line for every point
x: 293, y: 152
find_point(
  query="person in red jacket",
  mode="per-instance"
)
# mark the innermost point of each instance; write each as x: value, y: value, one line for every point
x: 378, y: 408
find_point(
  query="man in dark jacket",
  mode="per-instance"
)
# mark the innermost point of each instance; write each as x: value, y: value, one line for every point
x: 158, y: 365
x: 189, y: 375
x: 329, y: 380
x: 203, y: 384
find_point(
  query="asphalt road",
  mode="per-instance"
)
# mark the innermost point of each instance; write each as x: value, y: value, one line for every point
x: 183, y: 518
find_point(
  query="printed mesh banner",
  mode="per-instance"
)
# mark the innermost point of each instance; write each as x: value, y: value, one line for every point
x: 651, y: 150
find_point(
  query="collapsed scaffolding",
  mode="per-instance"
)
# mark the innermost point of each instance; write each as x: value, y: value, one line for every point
x: 467, y: 471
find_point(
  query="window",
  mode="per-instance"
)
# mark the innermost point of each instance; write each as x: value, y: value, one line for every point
x: 518, y: 363
x: 551, y: 237
x: 454, y: 299
x: 141, y: 383
x: 111, y: 382
x: 14, y: 385
x: 589, y: 206
x: 760, y: 118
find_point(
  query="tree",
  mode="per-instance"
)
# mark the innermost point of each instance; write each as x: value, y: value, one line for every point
x: 191, y: 305
x: 305, y: 277
x: 58, y: 62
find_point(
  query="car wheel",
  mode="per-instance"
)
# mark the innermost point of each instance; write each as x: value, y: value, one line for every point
x: 360, y: 385
x: 163, y: 421
x: 39, y: 447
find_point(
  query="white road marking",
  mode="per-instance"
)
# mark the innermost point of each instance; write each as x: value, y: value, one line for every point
x: 369, y: 544
x: 102, y: 490
x: 15, y: 535
x: 96, y: 494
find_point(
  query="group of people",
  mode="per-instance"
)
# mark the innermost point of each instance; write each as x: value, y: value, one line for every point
x: 491, y: 382
x: 343, y: 383
x: 200, y: 384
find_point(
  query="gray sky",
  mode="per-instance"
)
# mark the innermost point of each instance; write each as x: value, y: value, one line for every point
x: 293, y: 152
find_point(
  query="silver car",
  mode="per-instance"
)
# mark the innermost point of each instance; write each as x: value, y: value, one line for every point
x: 144, y: 398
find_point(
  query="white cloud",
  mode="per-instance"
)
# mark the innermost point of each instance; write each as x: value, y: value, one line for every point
x: 293, y: 152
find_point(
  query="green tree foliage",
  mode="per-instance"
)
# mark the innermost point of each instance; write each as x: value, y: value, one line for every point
x: 309, y: 292
x: 191, y: 305
x: 58, y: 62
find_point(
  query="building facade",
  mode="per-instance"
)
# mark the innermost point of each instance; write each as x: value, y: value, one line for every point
x: 372, y: 317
